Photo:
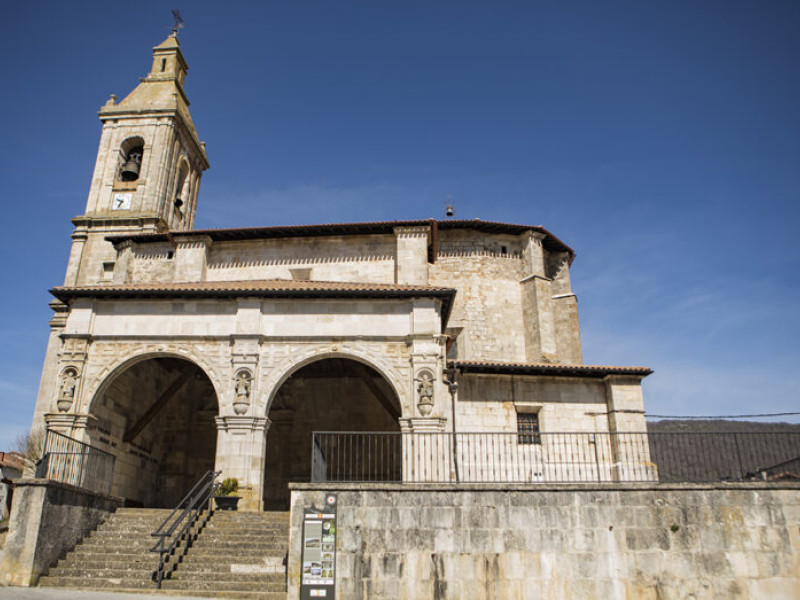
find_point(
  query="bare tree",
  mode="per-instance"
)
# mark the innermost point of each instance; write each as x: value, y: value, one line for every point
x: 30, y: 446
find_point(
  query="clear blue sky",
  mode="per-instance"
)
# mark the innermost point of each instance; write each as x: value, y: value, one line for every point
x: 661, y: 140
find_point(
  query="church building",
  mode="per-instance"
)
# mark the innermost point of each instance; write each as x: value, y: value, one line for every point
x: 179, y: 350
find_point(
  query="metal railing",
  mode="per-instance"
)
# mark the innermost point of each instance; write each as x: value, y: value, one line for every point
x: 67, y: 460
x: 549, y: 457
x: 176, y: 529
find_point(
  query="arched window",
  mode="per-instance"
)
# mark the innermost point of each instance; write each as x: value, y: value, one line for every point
x: 130, y: 164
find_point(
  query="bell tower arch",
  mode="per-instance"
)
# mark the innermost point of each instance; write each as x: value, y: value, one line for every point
x: 148, y: 169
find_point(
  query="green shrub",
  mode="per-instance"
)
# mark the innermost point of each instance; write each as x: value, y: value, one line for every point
x: 228, y: 487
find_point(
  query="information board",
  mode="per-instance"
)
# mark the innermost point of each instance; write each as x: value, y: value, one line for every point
x: 318, y: 573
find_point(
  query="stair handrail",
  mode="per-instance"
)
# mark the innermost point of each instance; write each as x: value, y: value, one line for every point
x: 196, y: 500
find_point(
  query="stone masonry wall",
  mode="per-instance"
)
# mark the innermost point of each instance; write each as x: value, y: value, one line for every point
x: 488, y: 304
x: 653, y: 542
x: 331, y: 258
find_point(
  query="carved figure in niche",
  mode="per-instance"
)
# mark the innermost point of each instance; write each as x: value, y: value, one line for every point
x: 243, y: 387
x: 425, y: 391
x: 66, y: 389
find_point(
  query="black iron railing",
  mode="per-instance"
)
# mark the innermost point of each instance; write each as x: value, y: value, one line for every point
x: 183, y: 523
x: 68, y: 460
x: 549, y: 457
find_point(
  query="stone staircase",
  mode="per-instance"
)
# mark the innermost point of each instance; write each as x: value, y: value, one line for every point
x: 235, y: 555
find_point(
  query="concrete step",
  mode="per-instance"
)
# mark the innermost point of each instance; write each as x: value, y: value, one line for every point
x: 147, y: 585
x: 234, y: 555
x: 196, y: 593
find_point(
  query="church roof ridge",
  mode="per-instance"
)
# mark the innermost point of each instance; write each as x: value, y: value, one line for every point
x: 242, y: 233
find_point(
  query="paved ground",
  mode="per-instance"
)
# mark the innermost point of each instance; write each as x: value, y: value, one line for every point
x: 20, y: 593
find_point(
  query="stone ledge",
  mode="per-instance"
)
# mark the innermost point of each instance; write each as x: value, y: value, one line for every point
x: 539, y: 487
x: 33, y: 482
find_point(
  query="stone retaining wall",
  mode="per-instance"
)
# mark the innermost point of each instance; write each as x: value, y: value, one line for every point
x: 47, y: 520
x: 653, y: 542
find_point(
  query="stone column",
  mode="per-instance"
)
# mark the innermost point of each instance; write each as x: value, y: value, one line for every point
x: 241, y: 453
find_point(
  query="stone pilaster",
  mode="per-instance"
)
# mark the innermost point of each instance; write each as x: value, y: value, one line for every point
x: 191, y: 257
x: 241, y: 453
x: 75, y: 425
x: 539, y: 319
x: 411, y: 264
x: 48, y: 385
x: 123, y: 263
x: 533, y: 254
x: 244, y: 368
x: 626, y: 418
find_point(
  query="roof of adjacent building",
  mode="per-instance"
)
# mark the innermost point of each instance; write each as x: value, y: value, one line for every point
x: 12, y: 460
x: 550, y: 241
x: 268, y: 288
x: 592, y: 371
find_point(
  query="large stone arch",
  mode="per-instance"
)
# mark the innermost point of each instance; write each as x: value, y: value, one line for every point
x: 324, y: 390
x: 290, y: 365
x: 117, y: 364
x: 155, y: 412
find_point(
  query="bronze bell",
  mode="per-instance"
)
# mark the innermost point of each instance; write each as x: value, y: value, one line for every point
x: 130, y: 170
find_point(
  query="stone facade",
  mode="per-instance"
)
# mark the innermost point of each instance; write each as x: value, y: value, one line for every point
x: 181, y: 350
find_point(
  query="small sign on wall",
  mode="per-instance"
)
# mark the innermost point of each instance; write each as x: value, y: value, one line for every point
x: 318, y: 574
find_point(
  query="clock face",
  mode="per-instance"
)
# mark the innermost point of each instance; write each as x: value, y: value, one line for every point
x: 121, y: 202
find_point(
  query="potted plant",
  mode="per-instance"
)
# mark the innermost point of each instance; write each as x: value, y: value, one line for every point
x: 225, y: 497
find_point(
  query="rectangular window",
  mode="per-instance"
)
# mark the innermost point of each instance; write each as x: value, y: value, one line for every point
x: 528, y: 428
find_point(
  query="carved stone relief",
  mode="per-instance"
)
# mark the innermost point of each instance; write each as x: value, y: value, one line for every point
x: 425, y: 392
x: 243, y: 389
x: 68, y: 383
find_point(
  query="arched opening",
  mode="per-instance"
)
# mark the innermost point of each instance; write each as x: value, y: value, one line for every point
x: 157, y: 417
x: 182, y: 186
x: 131, y: 153
x: 331, y: 394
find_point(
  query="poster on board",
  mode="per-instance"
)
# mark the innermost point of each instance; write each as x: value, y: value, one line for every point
x: 318, y: 572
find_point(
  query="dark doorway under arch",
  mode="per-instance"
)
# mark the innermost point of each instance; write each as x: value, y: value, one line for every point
x: 331, y: 394
x: 157, y: 417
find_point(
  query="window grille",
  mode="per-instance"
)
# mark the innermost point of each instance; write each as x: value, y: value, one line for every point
x: 528, y: 428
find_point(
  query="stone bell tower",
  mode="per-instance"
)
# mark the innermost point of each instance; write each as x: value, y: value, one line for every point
x: 148, y: 169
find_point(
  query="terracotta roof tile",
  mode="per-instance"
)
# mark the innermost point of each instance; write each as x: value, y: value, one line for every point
x: 13, y: 460
x: 480, y: 366
x: 256, y: 285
